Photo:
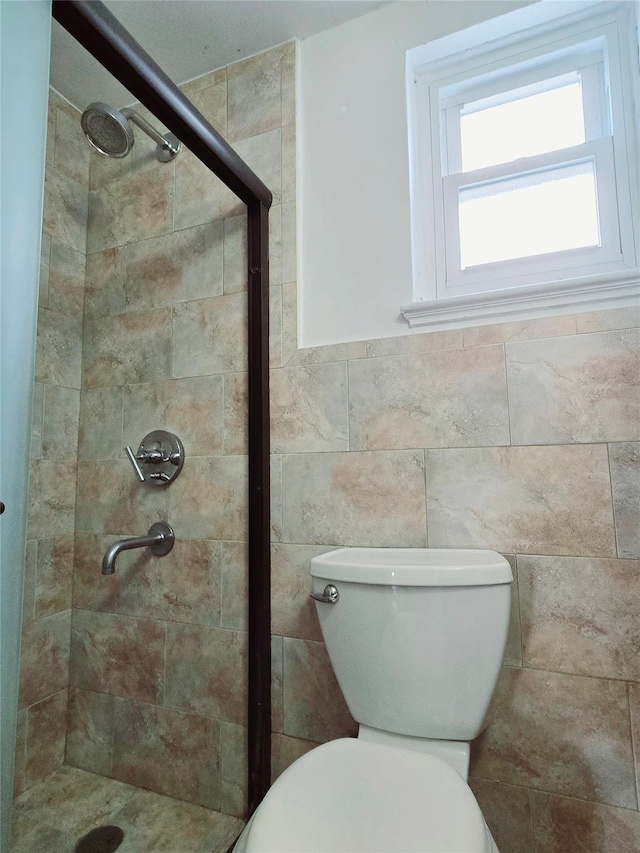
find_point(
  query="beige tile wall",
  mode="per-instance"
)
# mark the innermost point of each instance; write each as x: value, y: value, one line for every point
x: 44, y: 675
x: 521, y: 437
x: 158, y: 652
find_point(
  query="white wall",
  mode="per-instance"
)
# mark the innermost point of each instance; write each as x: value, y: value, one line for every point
x: 25, y: 28
x: 354, y: 236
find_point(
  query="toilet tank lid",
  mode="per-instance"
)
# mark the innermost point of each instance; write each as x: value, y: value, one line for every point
x: 413, y: 566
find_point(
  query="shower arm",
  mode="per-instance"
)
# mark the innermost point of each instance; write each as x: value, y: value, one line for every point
x: 144, y: 125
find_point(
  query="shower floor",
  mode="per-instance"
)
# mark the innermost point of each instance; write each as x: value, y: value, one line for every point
x: 52, y: 816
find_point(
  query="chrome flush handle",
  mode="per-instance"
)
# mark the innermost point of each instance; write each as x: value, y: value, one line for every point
x: 329, y: 596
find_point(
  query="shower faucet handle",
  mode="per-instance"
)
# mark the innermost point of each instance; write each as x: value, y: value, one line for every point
x: 159, y: 458
x: 134, y: 462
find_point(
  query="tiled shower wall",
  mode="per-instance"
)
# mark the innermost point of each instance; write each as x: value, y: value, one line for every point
x: 158, y: 651
x: 44, y: 674
x: 521, y: 437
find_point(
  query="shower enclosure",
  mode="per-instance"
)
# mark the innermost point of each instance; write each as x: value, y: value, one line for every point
x: 158, y: 692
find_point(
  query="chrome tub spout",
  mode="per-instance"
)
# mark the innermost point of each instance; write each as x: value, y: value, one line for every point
x: 159, y: 539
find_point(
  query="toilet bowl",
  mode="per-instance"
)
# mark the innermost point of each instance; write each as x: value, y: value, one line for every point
x: 416, y: 638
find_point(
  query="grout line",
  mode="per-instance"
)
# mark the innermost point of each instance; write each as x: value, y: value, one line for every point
x: 426, y: 497
x: 613, y: 503
x: 634, y: 751
x: 517, y: 582
x: 506, y: 384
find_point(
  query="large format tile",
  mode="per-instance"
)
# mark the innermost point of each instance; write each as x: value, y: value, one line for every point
x: 73, y: 801
x: 155, y: 822
x: 634, y: 701
x: 563, y: 734
x: 209, y: 336
x: 190, y: 408
x: 235, y: 254
x: 314, y: 708
x: 507, y: 811
x: 29, y: 836
x: 373, y: 499
x: 209, y: 499
x: 263, y: 154
x: 200, y: 195
x: 309, y: 408
x: 535, y: 500
x: 522, y: 330
x: 46, y: 731
x: 450, y: 398
x: 183, y: 586
x: 29, y: 583
x: 91, y: 589
x: 72, y: 152
x: 174, y: 268
x: 234, y: 587
x: 118, y: 654
x: 44, y: 657
x: 43, y: 277
x: 65, y: 210
x: 233, y: 769
x: 209, y: 95
x: 254, y: 102
x: 104, y: 287
x: 66, y: 280
x: 133, y: 208
x: 58, y: 349
x: 37, y: 411
x: 293, y: 613
x: 90, y: 731
x: 60, y: 420
x: 407, y: 344
x: 112, y: 500
x: 624, y: 460
x: 166, y: 751
x: 54, y: 575
x: 52, y: 498
x: 236, y: 404
x: 20, y: 764
x: 100, y: 434
x: 604, y: 321
x: 575, y: 389
x: 581, y: 615
x: 127, y: 348
x: 563, y: 825
x: 206, y: 671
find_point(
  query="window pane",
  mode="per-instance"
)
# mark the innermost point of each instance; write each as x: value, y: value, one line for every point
x: 529, y: 215
x: 544, y: 122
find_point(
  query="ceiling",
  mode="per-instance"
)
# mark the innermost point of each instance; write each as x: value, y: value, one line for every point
x: 187, y: 38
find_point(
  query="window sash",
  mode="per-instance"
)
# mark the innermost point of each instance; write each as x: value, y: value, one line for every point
x: 525, y: 271
x: 594, y: 102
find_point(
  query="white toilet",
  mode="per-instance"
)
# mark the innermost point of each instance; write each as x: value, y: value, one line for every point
x: 416, y: 638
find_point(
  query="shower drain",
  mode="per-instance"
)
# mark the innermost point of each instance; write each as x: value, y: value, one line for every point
x: 104, y: 839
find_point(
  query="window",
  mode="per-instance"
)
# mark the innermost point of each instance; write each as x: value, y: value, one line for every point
x: 524, y: 182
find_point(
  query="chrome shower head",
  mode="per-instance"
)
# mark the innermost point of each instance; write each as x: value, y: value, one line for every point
x: 107, y: 129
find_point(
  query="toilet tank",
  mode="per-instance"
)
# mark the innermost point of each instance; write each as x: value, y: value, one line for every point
x: 417, y: 635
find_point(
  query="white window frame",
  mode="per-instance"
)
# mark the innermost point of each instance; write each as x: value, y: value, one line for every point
x: 599, y: 40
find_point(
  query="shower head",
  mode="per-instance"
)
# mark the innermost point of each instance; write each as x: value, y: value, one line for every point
x: 109, y: 131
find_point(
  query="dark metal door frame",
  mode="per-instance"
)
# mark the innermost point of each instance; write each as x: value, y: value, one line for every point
x: 91, y: 23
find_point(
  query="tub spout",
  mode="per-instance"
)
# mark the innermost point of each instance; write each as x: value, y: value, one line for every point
x: 160, y: 539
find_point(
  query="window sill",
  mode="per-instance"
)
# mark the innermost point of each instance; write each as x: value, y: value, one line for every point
x: 595, y: 293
